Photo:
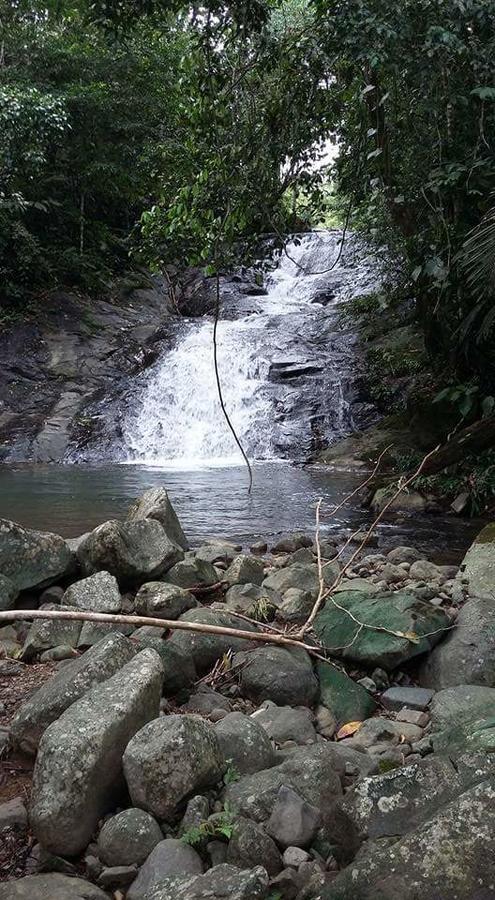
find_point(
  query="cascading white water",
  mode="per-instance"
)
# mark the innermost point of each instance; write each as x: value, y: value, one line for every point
x: 180, y: 418
x: 179, y: 421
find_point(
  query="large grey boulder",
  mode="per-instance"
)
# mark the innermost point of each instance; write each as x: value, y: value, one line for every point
x: 222, y: 882
x: 451, y: 856
x: 98, y: 593
x: 397, y: 802
x: 132, y: 551
x: 128, y: 838
x: 79, y: 764
x: 32, y: 559
x: 314, y: 773
x: 155, y: 504
x: 169, y: 857
x: 478, y: 565
x: 245, y: 743
x: 467, y: 655
x: 66, y: 686
x: 163, y: 601
x: 169, y: 760
x: 50, y: 887
x: 464, y: 701
x: 277, y: 673
x: 192, y: 573
x: 244, y: 569
x: 8, y: 593
x: 251, y: 846
x: 205, y: 649
x: 390, y: 616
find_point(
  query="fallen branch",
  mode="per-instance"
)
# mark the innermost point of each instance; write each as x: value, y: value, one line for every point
x: 170, y: 624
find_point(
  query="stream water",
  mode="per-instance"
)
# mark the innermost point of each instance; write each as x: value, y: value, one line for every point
x: 289, y: 376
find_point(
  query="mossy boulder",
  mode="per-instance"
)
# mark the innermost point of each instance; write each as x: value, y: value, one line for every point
x: 348, y: 701
x: 398, y: 627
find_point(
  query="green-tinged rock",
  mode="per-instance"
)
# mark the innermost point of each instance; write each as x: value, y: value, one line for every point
x: 461, y: 703
x: 478, y: 564
x: 32, y: 559
x: 416, y: 627
x: 467, y: 655
x: 348, y: 701
x: 476, y: 735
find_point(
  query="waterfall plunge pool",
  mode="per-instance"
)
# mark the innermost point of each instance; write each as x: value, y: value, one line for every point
x: 214, y: 502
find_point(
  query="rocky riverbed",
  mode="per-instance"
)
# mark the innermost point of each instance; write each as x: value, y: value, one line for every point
x: 148, y: 763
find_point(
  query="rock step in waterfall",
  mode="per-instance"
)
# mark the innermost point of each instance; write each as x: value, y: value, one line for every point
x: 288, y: 374
x: 289, y: 777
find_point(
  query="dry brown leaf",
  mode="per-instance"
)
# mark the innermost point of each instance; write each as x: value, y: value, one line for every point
x: 348, y: 730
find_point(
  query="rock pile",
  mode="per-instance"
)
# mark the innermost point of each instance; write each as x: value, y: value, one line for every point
x: 192, y: 765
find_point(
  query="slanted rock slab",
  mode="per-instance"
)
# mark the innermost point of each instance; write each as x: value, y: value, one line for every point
x: 79, y: 764
x: 8, y: 593
x: 223, y: 882
x: 346, y: 700
x: 70, y: 683
x: 467, y: 655
x: 155, y: 504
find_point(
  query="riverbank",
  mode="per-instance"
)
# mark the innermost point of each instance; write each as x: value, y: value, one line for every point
x: 251, y: 769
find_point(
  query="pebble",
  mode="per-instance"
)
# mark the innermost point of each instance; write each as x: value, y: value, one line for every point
x: 295, y: 857
x: 413, y: 717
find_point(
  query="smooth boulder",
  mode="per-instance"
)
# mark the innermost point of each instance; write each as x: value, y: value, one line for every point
x: 401, y: 627
x: 244, y: 743
x: 277, y: 673
x: 132, y: 551
x: 128, y: 838
x: 66, y: 686
x: 79, y: 764
x: 32, y: 559
x: 163, y: 601
x: 170, y: 759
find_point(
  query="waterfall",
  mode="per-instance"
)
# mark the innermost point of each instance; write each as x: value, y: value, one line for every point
x: 281, y: 381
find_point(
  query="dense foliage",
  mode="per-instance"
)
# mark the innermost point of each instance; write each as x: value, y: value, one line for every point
x: 161, y: 132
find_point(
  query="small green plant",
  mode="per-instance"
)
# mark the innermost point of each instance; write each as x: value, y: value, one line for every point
x: 232, y: 774
x: 219, y: 825
x: 262, y: 609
